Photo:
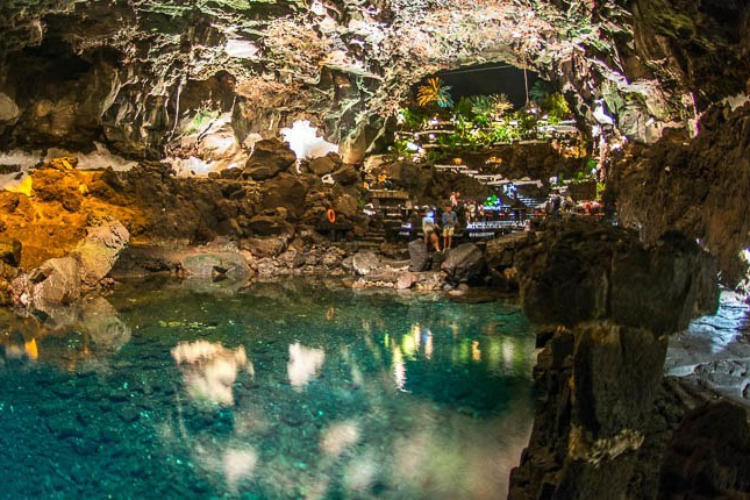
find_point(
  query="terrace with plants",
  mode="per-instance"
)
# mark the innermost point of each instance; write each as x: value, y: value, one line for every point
x: 434, y: 126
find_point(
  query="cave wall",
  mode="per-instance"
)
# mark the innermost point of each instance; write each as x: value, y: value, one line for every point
x: 344, y: 65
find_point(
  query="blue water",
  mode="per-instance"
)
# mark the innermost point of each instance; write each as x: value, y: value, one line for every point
x: 289, y: 390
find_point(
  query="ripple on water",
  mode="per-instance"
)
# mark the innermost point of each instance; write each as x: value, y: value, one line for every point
x: 283, y: 390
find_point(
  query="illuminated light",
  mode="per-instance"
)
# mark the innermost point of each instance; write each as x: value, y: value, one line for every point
x: 411, y: 146
x: 32, y: 351
x: 399, y: 369
x: 303, y: 365
x: 304, y: 141
x: 317, y: 8
x: 241, y: 49
x: 23, y: 186
x: 410, y: 344
x: 428, y: 346
x: 508, y: 352
x: 457, y: 161
x: 476, y: 353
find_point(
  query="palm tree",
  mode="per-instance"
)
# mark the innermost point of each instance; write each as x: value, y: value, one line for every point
x: 435, y: 91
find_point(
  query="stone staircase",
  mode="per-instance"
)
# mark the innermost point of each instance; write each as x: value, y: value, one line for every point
x: 371, y: 240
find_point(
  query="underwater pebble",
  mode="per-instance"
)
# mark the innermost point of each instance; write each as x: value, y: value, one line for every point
x: 129, y: 415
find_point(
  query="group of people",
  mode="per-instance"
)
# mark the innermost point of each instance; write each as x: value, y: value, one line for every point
x: 432, y: 229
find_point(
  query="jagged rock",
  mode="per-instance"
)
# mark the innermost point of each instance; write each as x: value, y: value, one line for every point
x: 365, y: 263
x: 270, y: 157
x: 285, y: 191
x: 406, y: 280
x: 266, y: 225
x: 63, y: 280
x: 265, y: 247
x: 346, y: 175
x: 583, y: 272
x: 500, y: 252
x: 598, y: 381
x: 708, y: 453
x: 346, y: 205
x: 324, y: 164
x: 464, y: 263
x: 419, y: 258
x: 216, y: 265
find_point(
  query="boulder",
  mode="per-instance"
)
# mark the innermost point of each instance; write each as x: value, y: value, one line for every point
x: 346, y: 205
x: 464, y: 263
x: 267, y: 225
x: 365, y: 263
x: 99, y: 251
x: 346, y: 175
x: 64, y: 280
x: 419, y: 258
x: 216, y: 265
x: 269, y: 158
x: 285, y: 191
x: 265, y: 247
x: 324, y: 164
x: 406, y: 280
x: 9, y: 110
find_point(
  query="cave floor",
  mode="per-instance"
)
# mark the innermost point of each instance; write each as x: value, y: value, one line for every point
x: 714, y: 351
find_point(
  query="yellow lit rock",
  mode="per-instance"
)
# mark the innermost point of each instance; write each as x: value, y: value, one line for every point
x: 25, y: 187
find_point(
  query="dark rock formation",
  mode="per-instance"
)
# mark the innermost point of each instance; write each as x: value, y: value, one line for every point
x: 599, y: 377
x: 708, y: 455
x: 463, y: 264
x: 699, y: 187
x: 584, y: 272
x: 419, y: 258
x: 270, y: 157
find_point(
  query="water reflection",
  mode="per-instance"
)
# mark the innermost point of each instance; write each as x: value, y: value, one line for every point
x: 84, y: 334
x: 209, y: 369
x: 406, y: 398
x: 304, y: 364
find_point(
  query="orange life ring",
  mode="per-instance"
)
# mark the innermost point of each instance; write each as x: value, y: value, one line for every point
x: 331, y: 215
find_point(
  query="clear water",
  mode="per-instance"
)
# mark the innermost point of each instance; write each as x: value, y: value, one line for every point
x: 277, y: 391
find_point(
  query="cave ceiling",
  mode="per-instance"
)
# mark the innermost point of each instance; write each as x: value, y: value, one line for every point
x: 344, y: 64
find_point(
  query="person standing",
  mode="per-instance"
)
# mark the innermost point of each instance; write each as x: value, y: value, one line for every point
x: 450, y: 221
x: 454, y: 199
x: 428, y: 228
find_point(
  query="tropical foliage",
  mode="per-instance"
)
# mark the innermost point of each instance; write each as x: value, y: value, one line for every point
x: 435, y: 91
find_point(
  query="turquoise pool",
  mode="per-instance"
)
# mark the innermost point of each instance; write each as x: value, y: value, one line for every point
x: 286, y: 390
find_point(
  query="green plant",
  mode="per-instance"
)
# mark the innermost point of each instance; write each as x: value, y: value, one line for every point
x: 412, y: 119
x: 555, y: 106
x: 202, y: 118
x: 491, y: 106
x: 435, y: 91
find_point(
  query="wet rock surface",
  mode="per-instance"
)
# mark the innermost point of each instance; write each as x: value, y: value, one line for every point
x: 699, y: 187
x: 714, y: 352
x: 600, y: 377
x: 64, y: 280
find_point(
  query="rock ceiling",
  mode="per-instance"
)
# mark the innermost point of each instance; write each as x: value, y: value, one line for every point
x: 149, y: 67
